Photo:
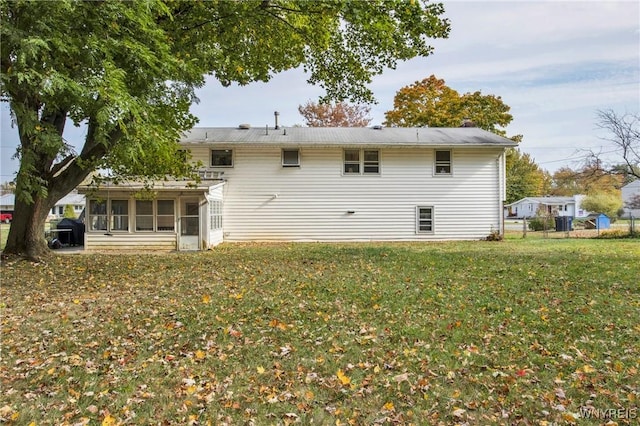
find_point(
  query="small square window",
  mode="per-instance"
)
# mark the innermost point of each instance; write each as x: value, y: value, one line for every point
x: 290, y: 158
x: 222, y: 158
x: 443, y: 162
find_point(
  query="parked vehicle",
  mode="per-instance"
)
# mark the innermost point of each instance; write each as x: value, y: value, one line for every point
x: 6, y: 217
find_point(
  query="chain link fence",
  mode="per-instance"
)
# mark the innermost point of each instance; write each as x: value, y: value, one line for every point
x: 569, y: 227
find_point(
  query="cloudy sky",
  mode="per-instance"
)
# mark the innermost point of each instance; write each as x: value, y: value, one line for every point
x: 554, y: 63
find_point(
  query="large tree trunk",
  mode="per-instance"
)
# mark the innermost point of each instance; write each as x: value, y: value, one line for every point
x: 26, y: 235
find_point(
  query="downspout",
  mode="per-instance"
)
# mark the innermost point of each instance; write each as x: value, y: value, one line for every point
x: 500, y: 162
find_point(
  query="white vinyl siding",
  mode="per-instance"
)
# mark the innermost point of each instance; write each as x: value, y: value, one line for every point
x: 265, y: 201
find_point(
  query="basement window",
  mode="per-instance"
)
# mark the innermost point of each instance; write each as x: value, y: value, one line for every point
x: 424, y: 219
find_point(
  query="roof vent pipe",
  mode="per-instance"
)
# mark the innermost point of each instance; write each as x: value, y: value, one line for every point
x: 276, y: 114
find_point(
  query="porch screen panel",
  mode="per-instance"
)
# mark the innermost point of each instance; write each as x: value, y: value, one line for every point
x: 97, y: 215
x: 119, y: 215
x: 144, y: 215
x: 166, y: 215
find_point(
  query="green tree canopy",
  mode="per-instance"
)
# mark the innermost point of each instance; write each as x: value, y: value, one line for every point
x: 524, y: 177
x: 602, y: 202
x: 432, y: 103
x: 129, y: 70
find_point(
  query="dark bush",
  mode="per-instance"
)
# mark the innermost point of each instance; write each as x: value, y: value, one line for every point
x: 540, y: 223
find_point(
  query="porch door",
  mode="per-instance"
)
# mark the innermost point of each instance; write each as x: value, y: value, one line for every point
x: 189, y: 238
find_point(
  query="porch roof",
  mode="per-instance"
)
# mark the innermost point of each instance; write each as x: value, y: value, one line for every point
x: 159, y: 186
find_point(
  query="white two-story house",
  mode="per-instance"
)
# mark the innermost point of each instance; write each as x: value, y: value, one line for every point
x: 313, y: 184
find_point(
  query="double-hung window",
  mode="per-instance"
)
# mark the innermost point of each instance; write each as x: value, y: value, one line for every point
x: 424, y: 219
x: 361, y: 161
x: 443, y: 162
x: 222, y: 158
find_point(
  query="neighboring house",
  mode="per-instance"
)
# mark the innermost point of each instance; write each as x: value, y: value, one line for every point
x: 73, y: 199
x: 552, y: 206
x: 629, y: 191
x: 313, y: 184
x: 7, y: 204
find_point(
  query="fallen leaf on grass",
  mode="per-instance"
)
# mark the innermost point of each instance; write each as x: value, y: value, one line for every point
x: 343, y: 378
x: 458, y: 412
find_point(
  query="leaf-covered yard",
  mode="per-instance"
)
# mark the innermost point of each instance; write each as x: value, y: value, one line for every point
x: 518, y: 332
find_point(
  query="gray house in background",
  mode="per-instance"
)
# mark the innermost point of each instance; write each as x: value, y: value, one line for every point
x: 630, y: 191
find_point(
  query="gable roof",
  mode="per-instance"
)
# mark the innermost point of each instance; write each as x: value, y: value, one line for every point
x: 545, y: 200
x: 632, y: 185
x: 346, y: 136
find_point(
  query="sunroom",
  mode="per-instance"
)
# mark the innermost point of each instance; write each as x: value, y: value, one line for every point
x: 173, y: 215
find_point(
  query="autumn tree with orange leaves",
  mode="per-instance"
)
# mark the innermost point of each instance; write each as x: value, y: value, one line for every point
x: 432, y: 103
x: 339, y: 114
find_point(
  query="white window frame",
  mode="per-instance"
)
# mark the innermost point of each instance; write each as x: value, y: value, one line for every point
x: 226, y: 166
x: 361, y: 163
x: 439, y: 167
x: 420, y: 221
x: 284, y: 160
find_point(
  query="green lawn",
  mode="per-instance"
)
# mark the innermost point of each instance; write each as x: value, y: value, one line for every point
x: 529, y: 332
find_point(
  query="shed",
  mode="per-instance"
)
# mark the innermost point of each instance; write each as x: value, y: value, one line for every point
x: 597, y: 221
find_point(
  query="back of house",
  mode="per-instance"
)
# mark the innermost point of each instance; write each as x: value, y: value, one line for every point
x: 327, y: 184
